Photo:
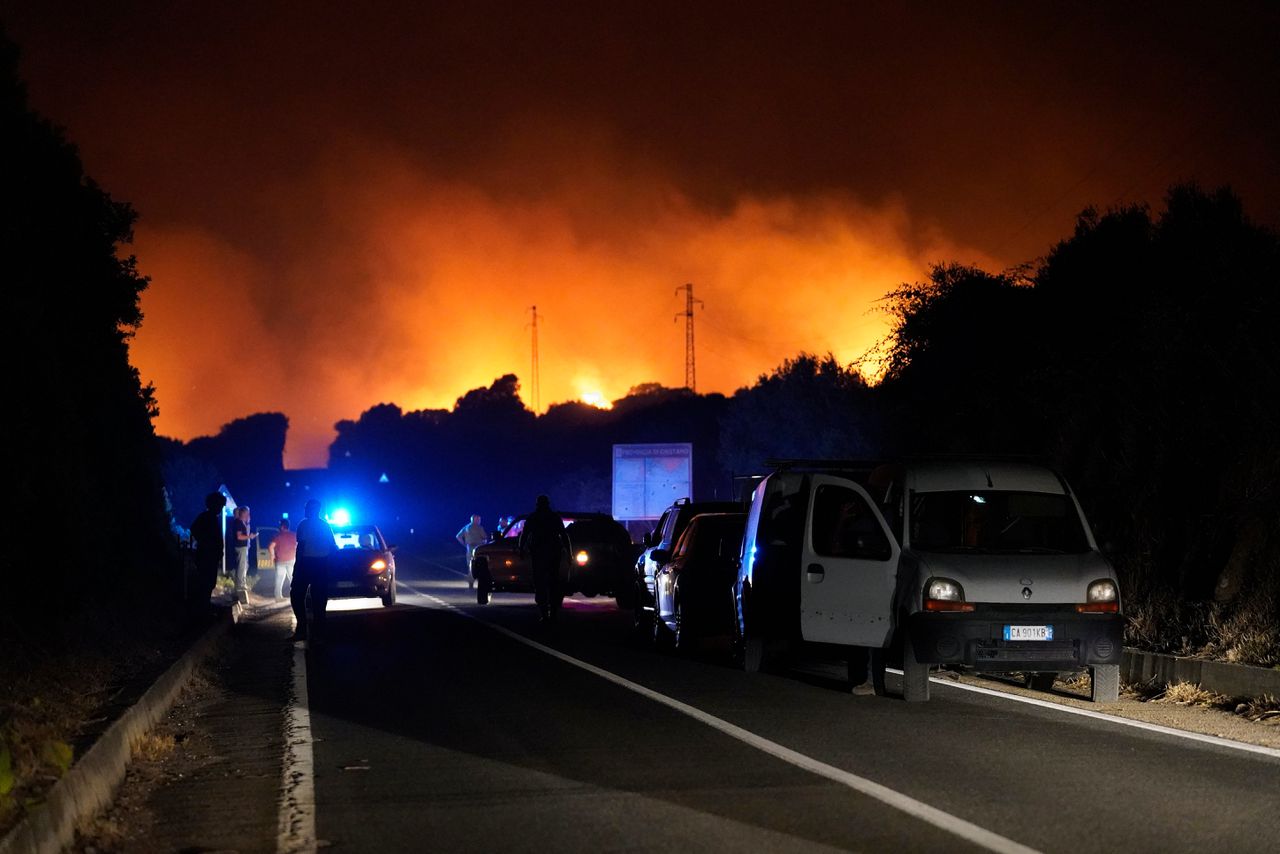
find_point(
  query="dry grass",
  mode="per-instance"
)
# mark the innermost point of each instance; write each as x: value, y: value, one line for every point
x: 153, y: 747
x: 1191, y: 694
x: 1264, y: 709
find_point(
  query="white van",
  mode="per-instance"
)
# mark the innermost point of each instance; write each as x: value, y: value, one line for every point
x: 982, y: 563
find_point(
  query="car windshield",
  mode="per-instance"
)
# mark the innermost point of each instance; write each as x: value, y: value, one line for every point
x: 357, y: 537
x: 996, y: 522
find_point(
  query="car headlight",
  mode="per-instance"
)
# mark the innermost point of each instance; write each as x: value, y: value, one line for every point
x: 582, y: 558
x: 1101, y: 597
x: 943, y: 594
x: 378, y: 565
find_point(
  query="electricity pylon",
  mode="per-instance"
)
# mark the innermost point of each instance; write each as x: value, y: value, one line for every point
x: 690, y: 370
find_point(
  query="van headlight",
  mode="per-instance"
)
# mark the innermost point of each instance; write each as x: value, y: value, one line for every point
x: 1100, y: 597
x: 1102, y: 590
x: 943, y: 594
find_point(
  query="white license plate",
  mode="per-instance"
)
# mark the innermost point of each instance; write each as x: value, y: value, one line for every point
x: 1031, y: 633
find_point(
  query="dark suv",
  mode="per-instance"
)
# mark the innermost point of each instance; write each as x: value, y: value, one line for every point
x: 657, y: 551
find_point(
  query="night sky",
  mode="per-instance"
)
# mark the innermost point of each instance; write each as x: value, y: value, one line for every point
x: 347, y: 207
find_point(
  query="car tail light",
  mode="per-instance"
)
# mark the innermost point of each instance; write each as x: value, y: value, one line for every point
x: 582, y: 558
x: 947, y: 605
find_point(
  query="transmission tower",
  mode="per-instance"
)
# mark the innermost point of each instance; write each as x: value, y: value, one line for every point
x: 533, y: 385
x: 690, y: 372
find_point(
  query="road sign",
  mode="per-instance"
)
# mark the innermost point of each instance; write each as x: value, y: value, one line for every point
x: 647, y: 478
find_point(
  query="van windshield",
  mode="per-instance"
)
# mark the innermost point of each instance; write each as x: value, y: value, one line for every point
x: 996, y: 522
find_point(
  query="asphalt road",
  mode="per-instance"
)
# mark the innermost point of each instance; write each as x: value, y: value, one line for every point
x: 442, y: 725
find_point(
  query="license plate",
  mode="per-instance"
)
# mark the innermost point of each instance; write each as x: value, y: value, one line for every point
x: 345, y: 585
x: 1028, y: 633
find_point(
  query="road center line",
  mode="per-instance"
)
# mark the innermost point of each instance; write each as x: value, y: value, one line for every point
x: 296, y: 822
x: 1215, y: 740
x: 917, y: 809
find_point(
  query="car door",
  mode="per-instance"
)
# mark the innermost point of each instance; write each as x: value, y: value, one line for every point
x: 850, y: 565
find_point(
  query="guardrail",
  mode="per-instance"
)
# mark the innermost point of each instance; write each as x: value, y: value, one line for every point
x: 1233, y: 680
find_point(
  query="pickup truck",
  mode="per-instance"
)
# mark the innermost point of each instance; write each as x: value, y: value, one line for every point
x: 983, y: 563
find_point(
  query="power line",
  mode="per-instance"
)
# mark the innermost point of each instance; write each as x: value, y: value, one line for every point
x: 690, y: 371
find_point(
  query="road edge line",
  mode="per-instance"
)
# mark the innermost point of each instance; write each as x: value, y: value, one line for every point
x: 296, y: 819
x: 938, y: 818
x: 1215, y: 740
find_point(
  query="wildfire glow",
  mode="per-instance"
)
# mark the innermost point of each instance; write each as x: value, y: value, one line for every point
x: 444, y: 275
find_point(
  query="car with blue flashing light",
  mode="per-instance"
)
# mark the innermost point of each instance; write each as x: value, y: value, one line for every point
x: 362, y: 566
x: 981, y: 563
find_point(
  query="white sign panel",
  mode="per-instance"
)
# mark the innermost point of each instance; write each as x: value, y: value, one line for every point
x: 647, y: 478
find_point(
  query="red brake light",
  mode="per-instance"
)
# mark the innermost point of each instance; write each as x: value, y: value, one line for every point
x: 1098, y: 608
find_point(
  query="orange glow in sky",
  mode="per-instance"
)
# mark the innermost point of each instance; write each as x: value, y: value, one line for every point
x: 420, y: 290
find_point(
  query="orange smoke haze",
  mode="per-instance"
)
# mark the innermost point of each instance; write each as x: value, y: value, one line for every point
x: 402, y: 287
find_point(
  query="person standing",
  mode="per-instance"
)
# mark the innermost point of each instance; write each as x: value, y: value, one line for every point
x: 545, y: 541
x: 238, y: 538
x: 206, y: 530
x: 472, y: 535
x: 310, y: 574
x: 284, y: 552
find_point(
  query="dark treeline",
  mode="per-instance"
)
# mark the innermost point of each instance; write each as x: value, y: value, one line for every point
x: 85, y: 523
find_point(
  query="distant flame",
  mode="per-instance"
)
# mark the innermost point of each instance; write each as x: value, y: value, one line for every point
x: 596, y: 399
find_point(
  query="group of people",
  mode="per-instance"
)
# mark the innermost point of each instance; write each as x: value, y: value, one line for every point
x: 299, y: 557
x: 543, y: 539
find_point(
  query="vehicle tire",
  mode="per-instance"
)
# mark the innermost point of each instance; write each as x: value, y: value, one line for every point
x: 1041, y: 681
x: 680, y: 638
x: 1105, y: 679
x: 484, y: 590
x: 663, y: 640
x: 389, y: 598
x: 915, y: 674
x: 751, y: 654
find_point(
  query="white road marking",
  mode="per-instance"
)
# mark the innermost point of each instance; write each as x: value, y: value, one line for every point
x: 296, y: 823
x: 917, y: 809
x: 1215, y: 740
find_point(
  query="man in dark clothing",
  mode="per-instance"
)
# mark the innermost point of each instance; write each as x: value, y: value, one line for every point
x: 206, y: 530
x: 545, y: 541
x: 310, y: 573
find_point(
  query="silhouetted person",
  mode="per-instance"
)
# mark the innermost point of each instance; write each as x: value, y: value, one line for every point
x: 544, y: 540
x: 472, y: 534
x: 238, y: 541
x: 206, y: 530
x: 310, y: 573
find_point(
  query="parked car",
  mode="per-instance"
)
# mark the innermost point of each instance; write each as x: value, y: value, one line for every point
x: 601, y: 552
x: 639, y: 594
x: 695, y: 588
x: 981, y: 563
x: 363, y: 565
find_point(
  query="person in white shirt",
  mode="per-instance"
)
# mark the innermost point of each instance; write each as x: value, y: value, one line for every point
x: 472, y: 535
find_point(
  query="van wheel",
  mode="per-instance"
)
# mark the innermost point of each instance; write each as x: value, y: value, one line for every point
x: 1041, y: 681
x: 1105, y: 679
x: 915, y: 674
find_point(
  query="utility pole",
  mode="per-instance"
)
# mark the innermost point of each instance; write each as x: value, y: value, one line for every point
x: 690, y: 373
x: 533, y: 385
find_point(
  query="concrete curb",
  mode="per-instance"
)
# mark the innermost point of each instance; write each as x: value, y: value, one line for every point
x: 91, y: 783
x: 1233, y: 680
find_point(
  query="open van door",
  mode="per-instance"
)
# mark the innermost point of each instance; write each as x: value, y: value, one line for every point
x: 850, y: 563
